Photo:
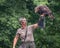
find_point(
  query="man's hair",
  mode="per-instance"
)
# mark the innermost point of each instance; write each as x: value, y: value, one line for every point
x: 22, y: 18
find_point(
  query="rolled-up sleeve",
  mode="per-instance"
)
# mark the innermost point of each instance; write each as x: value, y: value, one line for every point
x: 18, y: 32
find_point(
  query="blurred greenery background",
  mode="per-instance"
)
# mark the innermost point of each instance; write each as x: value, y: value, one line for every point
x: 12, y: 10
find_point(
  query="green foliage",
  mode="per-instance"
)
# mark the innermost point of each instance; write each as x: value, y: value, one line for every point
x: 11, y: 10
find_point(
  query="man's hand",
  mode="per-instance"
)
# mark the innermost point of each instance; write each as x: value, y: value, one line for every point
x: 13, y: 46
x: 41, y: 22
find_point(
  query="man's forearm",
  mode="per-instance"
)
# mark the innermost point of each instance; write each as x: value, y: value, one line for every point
x: 14, y: 42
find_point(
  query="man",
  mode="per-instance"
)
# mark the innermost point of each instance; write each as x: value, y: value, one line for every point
x: 43, y: 11
x: 25, y: 33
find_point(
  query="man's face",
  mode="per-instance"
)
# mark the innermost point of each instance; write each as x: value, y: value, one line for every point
x: 23, y: 22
